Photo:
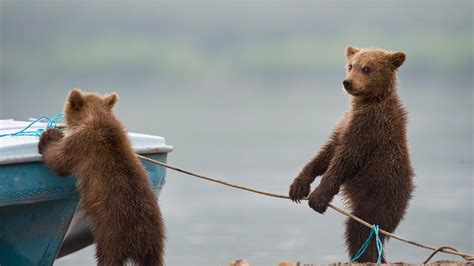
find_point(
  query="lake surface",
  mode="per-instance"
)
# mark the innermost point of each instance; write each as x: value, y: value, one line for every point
x: 239, y: 105
x: 261, y: 141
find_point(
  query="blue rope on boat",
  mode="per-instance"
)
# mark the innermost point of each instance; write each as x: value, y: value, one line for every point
x: 378, y: 243
x: 39, y: 131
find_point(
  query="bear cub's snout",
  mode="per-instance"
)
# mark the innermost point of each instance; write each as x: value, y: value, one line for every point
x: 347, y: 84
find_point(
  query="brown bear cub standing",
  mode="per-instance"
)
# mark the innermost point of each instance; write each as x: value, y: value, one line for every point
x: 118, y: 199
x: 367, y: 154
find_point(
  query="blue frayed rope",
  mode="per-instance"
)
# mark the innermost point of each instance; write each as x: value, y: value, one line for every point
x: 39, y: 131
x: 378, y: 243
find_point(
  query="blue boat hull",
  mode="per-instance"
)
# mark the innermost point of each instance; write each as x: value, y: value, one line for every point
x: 36, y: 209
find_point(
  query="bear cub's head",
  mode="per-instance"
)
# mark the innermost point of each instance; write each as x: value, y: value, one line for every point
x: 82, y: 105
x: 371, y: 72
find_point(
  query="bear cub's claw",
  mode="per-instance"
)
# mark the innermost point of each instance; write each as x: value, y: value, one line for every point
x: 299, y: 190
x: 51, y: 135
x: 318, y: 201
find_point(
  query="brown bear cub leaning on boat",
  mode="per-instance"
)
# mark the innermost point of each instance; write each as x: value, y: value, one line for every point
x: 367, y: 154
x: 118, y: 199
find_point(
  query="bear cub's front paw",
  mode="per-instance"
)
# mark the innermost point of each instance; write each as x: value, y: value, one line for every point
x: 299, y: 190
x: 319, y: 201
x: 51, y: 135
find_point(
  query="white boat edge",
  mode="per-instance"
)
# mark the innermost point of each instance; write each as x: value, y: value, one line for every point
x: 23, y: 149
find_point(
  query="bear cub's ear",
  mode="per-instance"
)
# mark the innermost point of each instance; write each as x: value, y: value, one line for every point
x: 75, y: 99
x: 111, y: 99
x: 350, y: 51
x: 396, y: 59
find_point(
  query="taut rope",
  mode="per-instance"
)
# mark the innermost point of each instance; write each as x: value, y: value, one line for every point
x: 435, y: 250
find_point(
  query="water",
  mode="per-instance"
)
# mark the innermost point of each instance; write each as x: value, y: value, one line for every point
x: 255, y: 120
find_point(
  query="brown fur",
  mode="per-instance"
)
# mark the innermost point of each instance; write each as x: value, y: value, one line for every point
x: 367, y: 154
x: 115, y: 191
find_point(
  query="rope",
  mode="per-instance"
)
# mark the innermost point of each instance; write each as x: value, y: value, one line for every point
x: 445, y: 249
x: 378, y: 242
x: 39, y: 131
x: 438, y: 250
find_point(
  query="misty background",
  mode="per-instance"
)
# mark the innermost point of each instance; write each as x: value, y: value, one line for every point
x: 247, y: 92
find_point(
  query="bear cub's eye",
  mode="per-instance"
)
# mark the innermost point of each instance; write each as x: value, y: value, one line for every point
x: 349, y: 67
x: 366, y: 70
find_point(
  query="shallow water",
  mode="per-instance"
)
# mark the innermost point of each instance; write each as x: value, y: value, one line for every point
x: 258, y: 126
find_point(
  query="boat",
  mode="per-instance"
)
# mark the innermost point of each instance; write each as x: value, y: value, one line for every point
x: 40, y: 214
